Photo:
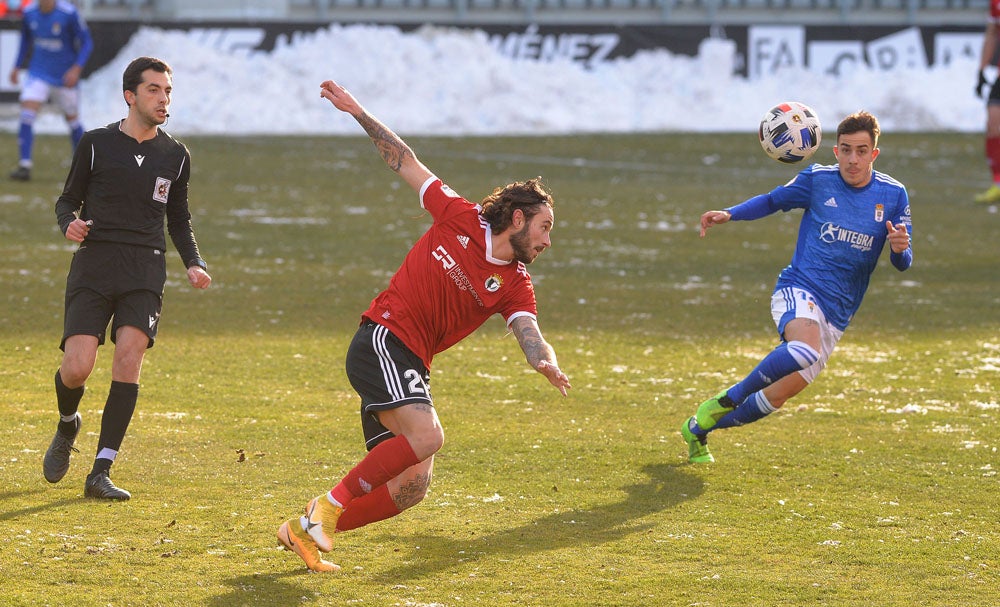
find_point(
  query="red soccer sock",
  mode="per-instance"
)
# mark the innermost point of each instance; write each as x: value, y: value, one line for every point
x: 376, y: 506
x: 386, y: 461
x: 993, y: 157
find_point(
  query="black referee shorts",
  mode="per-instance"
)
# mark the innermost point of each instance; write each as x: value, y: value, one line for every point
x: 387, y: 375
x: 112, y: 281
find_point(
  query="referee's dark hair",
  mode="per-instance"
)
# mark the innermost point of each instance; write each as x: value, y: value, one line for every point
x: 132, y: 77
x: 529, y: 196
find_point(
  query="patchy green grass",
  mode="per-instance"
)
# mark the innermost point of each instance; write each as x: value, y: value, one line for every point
x: 878, y: 485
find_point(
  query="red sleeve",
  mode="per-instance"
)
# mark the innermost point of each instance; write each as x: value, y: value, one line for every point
x: 523, y: 302
x: 440, y: 200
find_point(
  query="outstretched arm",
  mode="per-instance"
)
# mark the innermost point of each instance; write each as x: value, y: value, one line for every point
x: 390, y: 146
x: 713, y: 218
x: 538, y: 352
x: 759, y: 206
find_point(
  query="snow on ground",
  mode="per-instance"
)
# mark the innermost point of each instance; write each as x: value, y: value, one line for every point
x: 448, y: 81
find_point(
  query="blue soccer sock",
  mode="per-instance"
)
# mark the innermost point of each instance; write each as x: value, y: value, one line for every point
x: 75, y: 132
x: 26, y: 136
x: 785, y: 359
x: 753, y: 408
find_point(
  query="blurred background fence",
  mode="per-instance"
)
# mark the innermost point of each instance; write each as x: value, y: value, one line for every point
x: 722, y: 12
x: 829, y: 38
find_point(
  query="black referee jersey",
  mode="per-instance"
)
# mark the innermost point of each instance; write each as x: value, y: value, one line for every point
x: 126, y: 188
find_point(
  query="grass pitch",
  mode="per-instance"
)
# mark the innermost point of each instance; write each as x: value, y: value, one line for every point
x: 878, y: 485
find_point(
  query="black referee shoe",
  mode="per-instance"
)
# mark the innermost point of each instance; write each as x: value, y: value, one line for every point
x: 21, y: 173
x: 56, y: 461
x: 99, y: 486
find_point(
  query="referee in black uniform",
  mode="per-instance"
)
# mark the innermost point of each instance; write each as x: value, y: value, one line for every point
x: 125, y: 178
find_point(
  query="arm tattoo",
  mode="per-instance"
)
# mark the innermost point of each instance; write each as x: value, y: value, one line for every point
x: 412, y: 492
x: 389, y: 145
x: 530, y: 339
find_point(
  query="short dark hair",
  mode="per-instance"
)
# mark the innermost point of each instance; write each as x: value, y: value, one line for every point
x: 132, y: 77
x: 498, y: 208
x: 860, y: 121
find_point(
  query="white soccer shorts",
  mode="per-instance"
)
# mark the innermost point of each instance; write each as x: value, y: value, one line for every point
x: 68, y: 99
x: 789, y: 303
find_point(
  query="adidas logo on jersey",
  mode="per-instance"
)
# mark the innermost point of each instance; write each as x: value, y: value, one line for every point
x: 830, y: 202
x: 464, y: 241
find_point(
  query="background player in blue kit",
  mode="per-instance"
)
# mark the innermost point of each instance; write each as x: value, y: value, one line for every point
x: 56, y: 40
x: 851, y: 211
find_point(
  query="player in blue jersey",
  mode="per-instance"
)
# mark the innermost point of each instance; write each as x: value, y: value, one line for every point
x: 56, y: 41
x: 851, y: 212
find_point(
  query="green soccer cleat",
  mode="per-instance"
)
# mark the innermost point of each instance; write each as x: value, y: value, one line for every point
x: 712, y: 410
x: 991, y: 195
x: 698, y: 452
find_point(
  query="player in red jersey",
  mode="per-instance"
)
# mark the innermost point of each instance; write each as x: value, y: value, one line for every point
x: 988, y: 58
x: 468, y: 266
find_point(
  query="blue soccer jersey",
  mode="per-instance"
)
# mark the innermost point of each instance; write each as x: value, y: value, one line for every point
x: 55, y: 41
x: 841, y: 235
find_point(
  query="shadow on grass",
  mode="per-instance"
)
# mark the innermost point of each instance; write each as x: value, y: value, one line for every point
x: 265, y: 589
x: 39, y: 507
x: 668, y: 486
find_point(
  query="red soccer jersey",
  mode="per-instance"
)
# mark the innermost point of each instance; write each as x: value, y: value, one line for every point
x: 995, y: 11
x: 449, y: 282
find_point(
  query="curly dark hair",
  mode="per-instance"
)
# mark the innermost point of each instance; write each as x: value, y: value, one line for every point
x: 860, y: 121
x: 498, y: 207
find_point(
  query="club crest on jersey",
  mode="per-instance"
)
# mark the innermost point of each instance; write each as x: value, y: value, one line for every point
x: 880, y: 213
x: 493, y: 283
x: 162, y: 190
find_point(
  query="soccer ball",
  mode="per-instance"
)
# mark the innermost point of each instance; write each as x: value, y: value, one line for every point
x: 790, y: 132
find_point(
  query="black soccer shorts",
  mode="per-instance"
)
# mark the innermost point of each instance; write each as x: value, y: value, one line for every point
x: 386, y: 375
x: 994, y: 97
x: 111, y: 281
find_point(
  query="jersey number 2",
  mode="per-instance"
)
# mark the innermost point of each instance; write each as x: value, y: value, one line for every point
x: 416, y: 385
